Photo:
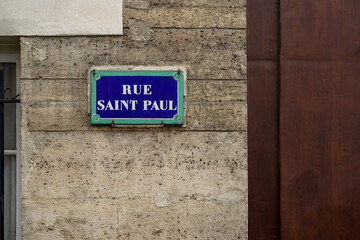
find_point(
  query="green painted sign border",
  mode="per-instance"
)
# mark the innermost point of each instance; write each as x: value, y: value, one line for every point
x: 96, y: 119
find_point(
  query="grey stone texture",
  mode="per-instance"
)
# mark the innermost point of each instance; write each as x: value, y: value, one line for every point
x: 67, y: 219
x: 113, y: 166
x: 146, y: 4
x: 140, y: 30
x: 137, y: 4
x: 98, y: 182
x: 63, y: 103
x: 199, y: 3
x: 164, y: 17
x: 207, y: 53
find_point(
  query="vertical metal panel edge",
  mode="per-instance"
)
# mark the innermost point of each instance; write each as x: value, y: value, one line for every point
x: 263, y: 46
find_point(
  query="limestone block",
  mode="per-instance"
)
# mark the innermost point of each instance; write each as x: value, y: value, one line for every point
x: 207, y: 53
x: 62, y: 105
x: 54, y: 167
x: 184, y: 164
x: 53, y: 103
x: 53, y: 91
x: 134, y: 164
x: 137, y: 4
x: 139, y: 30
x: 188, y: 219
x: 73, y: 116
x: 199, y: 3
x: 165, y: 17
x: 55, y: 116
x: 63, y: 219
x: 217, y: 116
x: 216, y: 91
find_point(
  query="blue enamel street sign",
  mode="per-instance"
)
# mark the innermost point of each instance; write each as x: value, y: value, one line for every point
x: 137, y: 97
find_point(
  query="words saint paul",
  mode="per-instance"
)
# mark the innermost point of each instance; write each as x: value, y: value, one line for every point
x: 133, y: 105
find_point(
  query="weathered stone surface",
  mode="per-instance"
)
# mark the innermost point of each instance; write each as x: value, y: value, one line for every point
x: 137, y: 4
x: 188, y: 219
x: 208, y: 54
x: 166, y: 17
x: 36, y: 91
x: 55, y: 116
x: 86, y: 182
x: 217, y: 105
x: 56, y: 168
x: 164, y: 161
x: 199, y: 3
x: 60, y: 90
x: 216, y: 91
x: 134, y: 219
x: 73, y: 116
x: 83, y: 165
x: 217, y: 116
x: 62, y: 105
x: 139, y: 30
x: 63, y: 219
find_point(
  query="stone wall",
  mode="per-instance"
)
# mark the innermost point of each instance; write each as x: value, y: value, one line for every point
x: 86, y: 182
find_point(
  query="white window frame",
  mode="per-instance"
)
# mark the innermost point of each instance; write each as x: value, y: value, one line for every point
x: 15, y: 58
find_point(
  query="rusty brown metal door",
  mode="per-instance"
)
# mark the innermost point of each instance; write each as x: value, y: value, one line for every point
x: 320, y: 119
x: 318, y: 142
x: 263, y: 112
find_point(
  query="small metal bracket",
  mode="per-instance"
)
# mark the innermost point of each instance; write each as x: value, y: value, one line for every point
x: 137, y: 126
x: 177, y: 75
x: 9, y: 100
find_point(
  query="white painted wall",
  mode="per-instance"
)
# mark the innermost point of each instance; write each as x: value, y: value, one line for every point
x: 60, y: 17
